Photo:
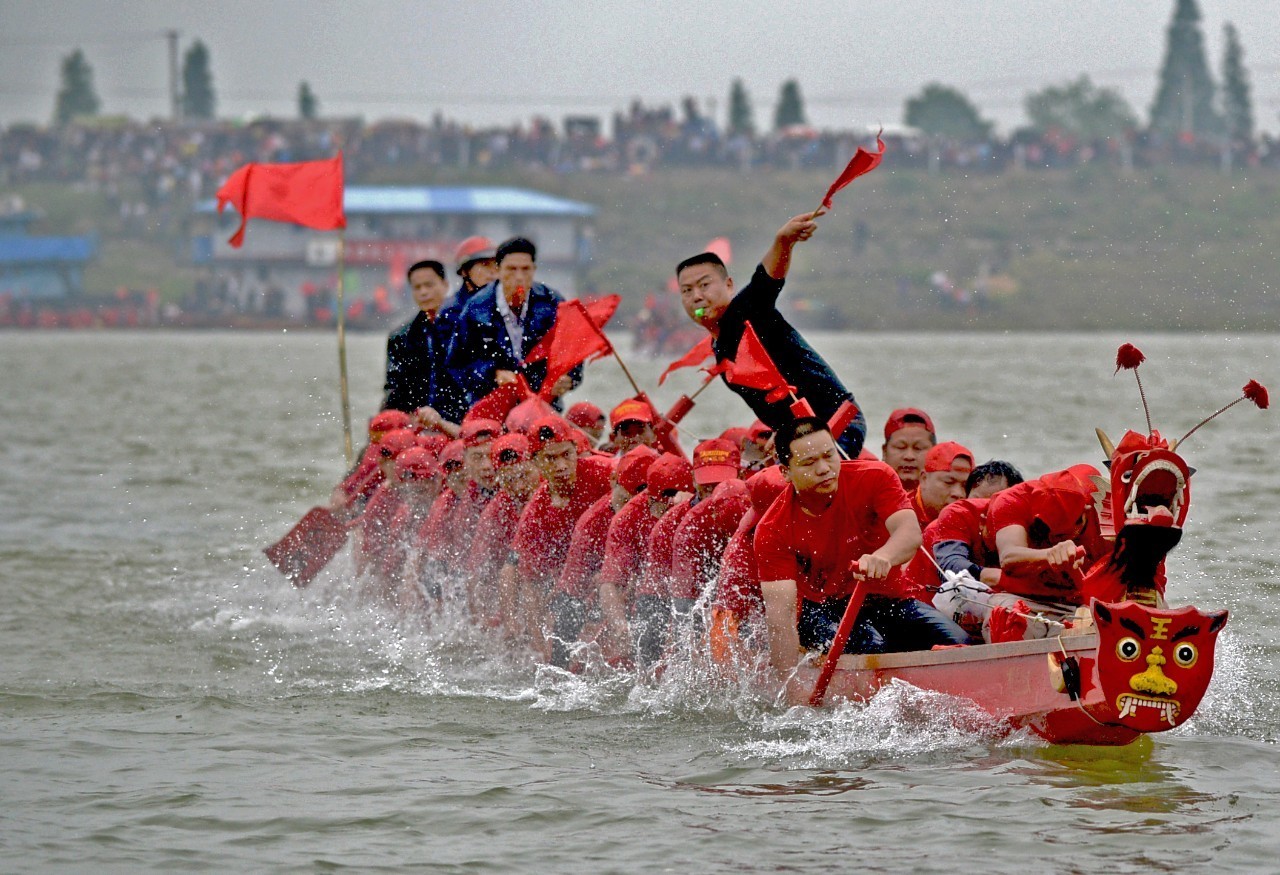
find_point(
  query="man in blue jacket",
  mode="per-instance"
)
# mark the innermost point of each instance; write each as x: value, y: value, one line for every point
x: 502, y: 323
x: 416, y: 376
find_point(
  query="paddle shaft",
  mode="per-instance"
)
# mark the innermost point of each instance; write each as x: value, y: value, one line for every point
x: 838, y: 643
x: 347, y: 449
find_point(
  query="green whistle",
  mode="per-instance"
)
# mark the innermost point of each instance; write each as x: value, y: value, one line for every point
x: 699, y: 313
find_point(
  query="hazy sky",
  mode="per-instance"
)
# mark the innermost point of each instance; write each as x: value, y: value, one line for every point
x: 487, y: 61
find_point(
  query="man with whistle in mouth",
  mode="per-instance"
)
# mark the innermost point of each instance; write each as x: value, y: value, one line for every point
x: 501, y: 324
x: 709, y: 297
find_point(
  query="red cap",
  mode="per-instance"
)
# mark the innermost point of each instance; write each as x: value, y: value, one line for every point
x: 631, y: 410
x: 943, y: 456
x: 550, y: 430
x: 765, y: 486
x: 454, y: 453
x: 509, y: 449
x: 668, y: 472
x: 387, y: 420
x: 715, y: 461
x: 479, y: 431
x: 906, y: 416
x: 433, y: 442
x: 584, y: 414
x: 474, y: 249
x: 416, y: 463
x: 758, y: 431
x: 735, y: 435
x: 633, y: 468
x: 581, y: 441
x: 397, y: 441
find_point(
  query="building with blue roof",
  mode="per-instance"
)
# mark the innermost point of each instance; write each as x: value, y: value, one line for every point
x: 36, y: 268
x: 389, y: 228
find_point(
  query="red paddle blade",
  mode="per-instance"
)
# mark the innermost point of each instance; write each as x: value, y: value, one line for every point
x: 301, y: 554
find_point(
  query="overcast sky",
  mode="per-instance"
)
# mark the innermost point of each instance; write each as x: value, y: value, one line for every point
x: 486, y: 61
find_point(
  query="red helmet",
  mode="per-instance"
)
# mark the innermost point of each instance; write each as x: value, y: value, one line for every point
x: 474, y: 249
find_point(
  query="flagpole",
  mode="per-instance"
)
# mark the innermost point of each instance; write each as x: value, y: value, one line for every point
x: 342, y: 349
x: 625, y: 370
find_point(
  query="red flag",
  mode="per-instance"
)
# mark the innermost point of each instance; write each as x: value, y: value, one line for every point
x: 861, y: 162
x: 306, y: 193
x: 723, y: 248
x: 752, y: 367
x: 578, y: 339
x: 600, y: 310
x: 701, y: 351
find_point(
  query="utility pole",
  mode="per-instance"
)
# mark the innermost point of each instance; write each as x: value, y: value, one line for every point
x: 175, y: 97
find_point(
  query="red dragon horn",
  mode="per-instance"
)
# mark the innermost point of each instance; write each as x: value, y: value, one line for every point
x: 1253, y: 391
x: 1128, y: 357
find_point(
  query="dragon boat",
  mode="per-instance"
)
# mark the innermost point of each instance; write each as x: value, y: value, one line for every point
x: 1133, y: 666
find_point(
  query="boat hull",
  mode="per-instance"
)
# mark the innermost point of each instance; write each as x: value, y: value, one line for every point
x: 1014, y: 682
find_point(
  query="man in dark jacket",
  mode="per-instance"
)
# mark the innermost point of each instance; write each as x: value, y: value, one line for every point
x: 501, y: 324
x: 416, y: 351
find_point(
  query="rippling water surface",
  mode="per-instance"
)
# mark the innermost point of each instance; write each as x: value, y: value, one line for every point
x: 169, y: 703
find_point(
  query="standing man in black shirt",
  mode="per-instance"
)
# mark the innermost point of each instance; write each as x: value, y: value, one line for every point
x: 708, y: 296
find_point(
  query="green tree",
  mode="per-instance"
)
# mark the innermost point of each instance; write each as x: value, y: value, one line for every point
x: 1237, y: 103
x: 308, y: 105
x: 790, y: 109
x: 1081, y: 109
x: 77, y: 97
x: 1184, y: 98
x: 198, y: 98
x: 942, y: 111
x: 741, y: 117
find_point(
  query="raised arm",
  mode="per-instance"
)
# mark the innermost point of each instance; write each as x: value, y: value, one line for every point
x: 778, y: 259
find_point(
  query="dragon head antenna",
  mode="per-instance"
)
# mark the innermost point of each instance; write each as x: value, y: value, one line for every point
x: 1128, y: 357
x: 1253, y: 391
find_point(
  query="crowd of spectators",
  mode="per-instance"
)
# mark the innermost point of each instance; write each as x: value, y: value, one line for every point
x: 178, y: 162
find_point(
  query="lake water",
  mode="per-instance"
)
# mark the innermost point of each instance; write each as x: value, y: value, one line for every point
x: 170, y: 703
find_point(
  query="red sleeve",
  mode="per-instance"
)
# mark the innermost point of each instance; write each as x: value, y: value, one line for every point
x: 585, y: 550
x: 622, y: 543
x: 738, y: 586
x: 1012, y: 507
x: 775, y: 558
x: 888, y: 496
x: 529, y: 532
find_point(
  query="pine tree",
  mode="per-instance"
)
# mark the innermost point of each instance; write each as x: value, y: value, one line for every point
x: 1184, y: 100
x: 741, y: 118
x: 308, y: 105
x: 790, y: 109
x: 76, y: 98
x: 1237, y: 104
x: 198, y: 98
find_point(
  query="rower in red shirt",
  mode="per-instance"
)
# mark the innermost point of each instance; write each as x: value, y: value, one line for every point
x: 374, y: 525
x: 946, y: 468
x: 517, y: 479
x: 575, y: 591
x: 630, y: 426
x: 349, y: 496
x: 433, y: 543
x: 908, y: 436
x: 420, y: 480
x: 839, y: 524
x: 738, y: 605
x: 570, y: 485
x: 704, y: 532
x: 620, y: 580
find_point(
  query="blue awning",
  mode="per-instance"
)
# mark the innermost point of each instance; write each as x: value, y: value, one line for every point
x: 449, y: 200
x: 18, y: 249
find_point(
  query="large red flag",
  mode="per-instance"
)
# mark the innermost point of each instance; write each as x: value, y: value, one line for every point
x: 578, y: 339
x: 600, y: 310
x: 701, y: 351
x: 861, y: 162
x: 752, y: 367
x: 306, y: 193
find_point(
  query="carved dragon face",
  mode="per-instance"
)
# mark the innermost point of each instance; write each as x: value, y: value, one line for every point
x: 1153, y: 665
x: 1149, y: 484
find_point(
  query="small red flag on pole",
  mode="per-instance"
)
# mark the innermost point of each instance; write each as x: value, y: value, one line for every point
x: 701, y: 351
x: 753, y: 368
x: 861, y: 163
x: 600, y: 310
x: 578, y: 339
x: 307, y: 193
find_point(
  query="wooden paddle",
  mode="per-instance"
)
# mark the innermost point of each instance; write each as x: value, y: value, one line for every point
x: 316, y: 539
x: 838, y: 643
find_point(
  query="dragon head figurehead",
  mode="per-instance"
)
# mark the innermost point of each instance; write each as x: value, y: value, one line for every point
x: 1149, y: 483
x: 1153, y: 665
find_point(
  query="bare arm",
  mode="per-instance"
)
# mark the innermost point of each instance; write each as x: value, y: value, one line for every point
x: 780, y: 619
x: 1016, y: 553
x: 904, y: 540
x: 778, y: 259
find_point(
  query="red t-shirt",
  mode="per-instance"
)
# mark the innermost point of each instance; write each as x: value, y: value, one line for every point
x: 1020, y: 506
x: 625, y: 543
x: 375, y: 525
x: 702, y: 536
x: 738, y: 585
x: 962, y: 521
x: 816, y: 551
x: 586, y: 550
x: 542, y: 536
x: 655, y: 570
x: 494, y: 531
x: 407, y: 519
